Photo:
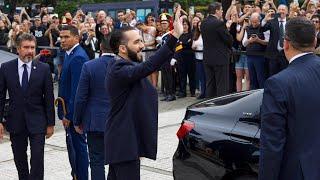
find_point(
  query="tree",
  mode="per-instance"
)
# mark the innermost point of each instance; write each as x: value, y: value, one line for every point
x: 66, y: 6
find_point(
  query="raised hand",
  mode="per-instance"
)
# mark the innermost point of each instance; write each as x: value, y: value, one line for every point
x: 177, y: 24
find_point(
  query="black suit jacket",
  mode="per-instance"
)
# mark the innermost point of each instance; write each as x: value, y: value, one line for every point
x: 272, y: 51
x: 132, y: 124
x: 217, y: 42
x: 32, y: 111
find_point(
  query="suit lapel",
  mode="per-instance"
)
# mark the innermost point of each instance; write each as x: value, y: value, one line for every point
x: 34, y: 66
x: 16, y: 74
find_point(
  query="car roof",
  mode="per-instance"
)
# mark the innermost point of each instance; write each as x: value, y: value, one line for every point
x: 7, y: 56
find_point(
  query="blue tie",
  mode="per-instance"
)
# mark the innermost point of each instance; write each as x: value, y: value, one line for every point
x: 24, y: 83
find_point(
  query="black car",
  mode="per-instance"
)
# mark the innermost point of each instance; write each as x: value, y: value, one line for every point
x: 219, y: 139
x: 5, y: 57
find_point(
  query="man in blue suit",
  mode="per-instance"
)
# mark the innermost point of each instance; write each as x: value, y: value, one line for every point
x: 92, y: 107
x: 290, y: 136
x: 75, y: 57
x: 132, y: 124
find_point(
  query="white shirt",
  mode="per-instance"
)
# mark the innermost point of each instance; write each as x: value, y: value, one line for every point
x: 107, y: 54
x: 21, y: 69
x: 245, y: 39
x: 284, y: 21
x: 198, y: 45
x: 69, y: 51
x: 298, y: 55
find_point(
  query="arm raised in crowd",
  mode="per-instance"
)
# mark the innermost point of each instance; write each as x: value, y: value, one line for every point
x: 240, y: 35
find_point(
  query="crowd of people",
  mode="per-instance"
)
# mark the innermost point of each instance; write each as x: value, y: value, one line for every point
x: 251, y: 24
x: 108, y: 107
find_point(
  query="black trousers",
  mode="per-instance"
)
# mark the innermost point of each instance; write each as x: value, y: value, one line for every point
x: 278, y: 64
x: 167, y: 73
x: 96, y: 154
x: 124, y: 170
x: 19, y: 144
x: 217, y: 80
x: 187, y: 69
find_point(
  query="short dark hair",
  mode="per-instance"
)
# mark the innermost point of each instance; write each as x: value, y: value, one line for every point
x: 25, y: 37
x: 73, y: 30
x: 300, y: 32
x: 105, y: 44
x: 213, y: 7
x: 121, y: 11
x: 316, y: 16
x: 118, y: 38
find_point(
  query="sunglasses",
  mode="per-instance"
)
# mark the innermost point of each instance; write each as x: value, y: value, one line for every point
x: 315, y: 21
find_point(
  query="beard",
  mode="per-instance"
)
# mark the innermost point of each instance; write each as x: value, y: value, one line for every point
x: 133, y: 56
x: 27, y: 58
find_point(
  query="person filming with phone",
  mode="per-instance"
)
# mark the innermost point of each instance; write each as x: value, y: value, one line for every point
x: 255, y: 41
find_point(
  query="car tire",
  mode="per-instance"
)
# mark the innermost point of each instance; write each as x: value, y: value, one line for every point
x: 246, y: 177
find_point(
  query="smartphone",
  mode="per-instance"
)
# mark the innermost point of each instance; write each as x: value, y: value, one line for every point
x: 272, y: 15
x: 127, y: 11
x: 253, y: 35
x: 191, y: 10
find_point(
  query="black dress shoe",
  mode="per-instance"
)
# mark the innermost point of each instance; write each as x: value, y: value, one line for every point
x: 171, y: 98
x: 201, y: 96
x: 181, y: 95
x: 193, y: 95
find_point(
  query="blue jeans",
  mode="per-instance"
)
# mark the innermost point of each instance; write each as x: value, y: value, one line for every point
x: 202, y: 77
x: 78, y: 153
x: 96, y: 154
x: 256, y: 66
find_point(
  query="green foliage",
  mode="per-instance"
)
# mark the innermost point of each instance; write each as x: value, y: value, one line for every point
x: 187, y: 3
x: 64, y: 6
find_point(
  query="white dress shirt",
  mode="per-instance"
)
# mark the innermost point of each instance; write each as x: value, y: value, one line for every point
x: 284, y: 21
x: 68, y: 52
x: 298, y: 55
x: 108, y: 54
x: 21, y: 69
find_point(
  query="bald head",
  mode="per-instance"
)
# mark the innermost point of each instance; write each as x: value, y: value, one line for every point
x: 255, y: 19
x: 283, y: 11
x: 255, y: 16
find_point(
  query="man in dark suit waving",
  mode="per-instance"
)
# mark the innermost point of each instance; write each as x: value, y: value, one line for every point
x: 132, y: 124
x: 31, y: 109
x: 290, y: 123
x: 217, y: 43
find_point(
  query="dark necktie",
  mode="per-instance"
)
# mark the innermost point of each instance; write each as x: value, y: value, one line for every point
x: 281, y: 34
x: 24, y: 82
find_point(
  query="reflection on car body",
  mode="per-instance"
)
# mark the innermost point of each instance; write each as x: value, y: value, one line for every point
x: 219, y: 139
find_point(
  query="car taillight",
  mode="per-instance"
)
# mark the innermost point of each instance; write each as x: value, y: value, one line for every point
x: 184, y: 129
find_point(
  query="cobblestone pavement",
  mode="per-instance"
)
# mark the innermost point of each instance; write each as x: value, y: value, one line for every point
x: 56, y: 157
